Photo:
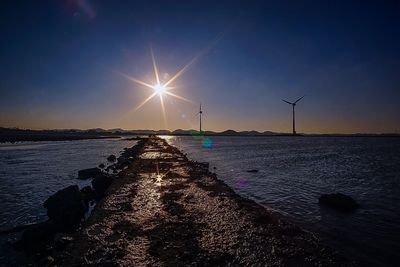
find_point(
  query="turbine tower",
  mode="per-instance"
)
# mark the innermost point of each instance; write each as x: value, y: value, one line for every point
x: 200, y: 112
x: 294, y: 118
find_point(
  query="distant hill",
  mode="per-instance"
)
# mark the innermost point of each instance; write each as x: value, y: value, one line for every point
x: 15, y: 134
x: 228, y: 132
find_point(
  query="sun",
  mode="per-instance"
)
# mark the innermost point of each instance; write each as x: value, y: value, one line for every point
x: 159, y: 89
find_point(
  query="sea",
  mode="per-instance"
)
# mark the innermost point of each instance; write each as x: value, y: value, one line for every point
x: 289, y: 174
x: 293, y: 172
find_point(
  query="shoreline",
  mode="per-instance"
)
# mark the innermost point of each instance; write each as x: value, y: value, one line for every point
x: 186, y: 217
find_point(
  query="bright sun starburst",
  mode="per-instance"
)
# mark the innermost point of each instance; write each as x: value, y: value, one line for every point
x: 164, y: 88
x: 160, y: 88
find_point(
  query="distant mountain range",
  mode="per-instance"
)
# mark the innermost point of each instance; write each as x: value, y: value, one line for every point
x: 16, y: 134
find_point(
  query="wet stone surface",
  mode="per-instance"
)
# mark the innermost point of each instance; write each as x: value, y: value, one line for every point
x: 164, y: 210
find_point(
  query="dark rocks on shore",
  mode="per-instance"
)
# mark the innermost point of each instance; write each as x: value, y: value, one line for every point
x: 112, y: 158
x: 66, y: 208
x: 122, y: 162
x: 252, y: 171
x: 88, y: 173
x: 339, y: 202
x: 100, y: 184
x: 203, y: 166
x: 36, y: 238
x: 111, y: 168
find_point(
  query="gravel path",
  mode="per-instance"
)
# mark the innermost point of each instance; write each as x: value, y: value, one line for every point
x: 164, y: 210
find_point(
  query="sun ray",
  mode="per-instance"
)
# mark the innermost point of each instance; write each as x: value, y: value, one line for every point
x: 162, y: 89
x: 183, y: 70
x: 163, y: 111
x: 197, y: 57
x: 154, y: 66
x: 145, y: 101
x: 134, y: 79
x: 178, y: 96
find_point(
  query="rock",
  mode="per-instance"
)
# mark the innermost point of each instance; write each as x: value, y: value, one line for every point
x: 36, y: 238
x: 88, y: 173
x: 66, y: 208
x: 102, y: 166
x: 110, y: 168
x: 122, y: 162
x: 338, y: 201
x: 203, y: 166
x: 88, y: 194
x: 252, y: 171
x: 100, y: 184
x: 112, y: 158
x: 61, y: 241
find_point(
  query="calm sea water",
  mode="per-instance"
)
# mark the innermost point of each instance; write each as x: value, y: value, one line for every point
x: 294, y: 172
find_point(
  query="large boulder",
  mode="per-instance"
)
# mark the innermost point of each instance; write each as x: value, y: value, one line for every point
x: 36, y: 238
x: 66, y: 208
x: 88, y: 173
x: 100, y: 184
x: 339, y: 202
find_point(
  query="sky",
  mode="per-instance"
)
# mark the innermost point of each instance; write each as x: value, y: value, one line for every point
x: 67, y: 64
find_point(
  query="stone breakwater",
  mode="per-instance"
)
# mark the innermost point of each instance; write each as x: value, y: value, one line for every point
x: 162, y: 209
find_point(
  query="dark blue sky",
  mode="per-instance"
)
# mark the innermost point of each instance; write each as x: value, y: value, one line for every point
x: 58, y: 61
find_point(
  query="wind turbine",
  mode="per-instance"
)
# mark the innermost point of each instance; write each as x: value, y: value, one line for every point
x: 294, y: 118
x: 200, y: 112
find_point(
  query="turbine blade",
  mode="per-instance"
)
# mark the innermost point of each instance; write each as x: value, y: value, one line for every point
x: 287, y: 102
x: 299, y: 99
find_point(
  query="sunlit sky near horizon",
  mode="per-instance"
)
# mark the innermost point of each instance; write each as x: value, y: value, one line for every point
x: 60, y: 60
